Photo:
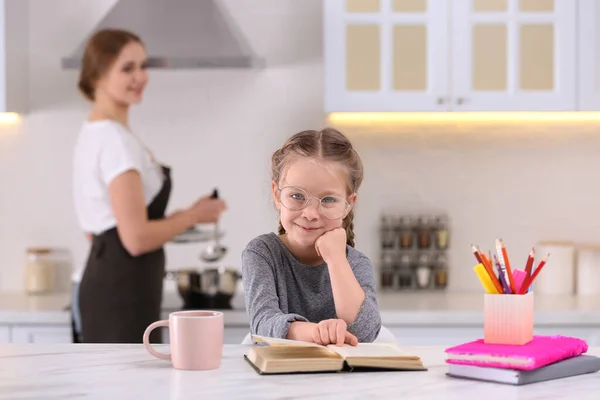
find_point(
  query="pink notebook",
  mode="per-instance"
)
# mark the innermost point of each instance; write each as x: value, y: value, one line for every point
x: 542, y: 350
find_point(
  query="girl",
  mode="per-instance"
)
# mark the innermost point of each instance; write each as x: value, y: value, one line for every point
x: 121, y: 194
x: 309, y: 282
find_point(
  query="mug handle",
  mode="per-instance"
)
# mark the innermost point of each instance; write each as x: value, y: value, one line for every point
x: 146, y: 339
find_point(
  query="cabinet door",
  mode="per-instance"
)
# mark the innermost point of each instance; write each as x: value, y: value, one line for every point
x: 589, y: 55
x: 591, y: 334
x: 514, y: 55
x: 4, y: 334
x: 386, y: 55
x: 435, y: 335
x: 235, y: 335
x: 41, y: 334
x: 13, y: 56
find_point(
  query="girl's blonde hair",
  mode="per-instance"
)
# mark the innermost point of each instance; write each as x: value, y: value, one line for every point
x: 326, y: 145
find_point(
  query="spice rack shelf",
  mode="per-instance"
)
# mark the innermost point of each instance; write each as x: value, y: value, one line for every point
x: 414, y: 252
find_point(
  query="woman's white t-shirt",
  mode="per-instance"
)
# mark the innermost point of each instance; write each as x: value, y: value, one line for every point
x: 104, y: 150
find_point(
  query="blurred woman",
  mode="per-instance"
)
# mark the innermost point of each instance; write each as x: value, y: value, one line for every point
x: 121, y: 193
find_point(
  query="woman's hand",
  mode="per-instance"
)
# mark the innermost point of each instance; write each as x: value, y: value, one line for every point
x: 332, y: 245
x: 333, y: 331
x: 205, y: 210
x: 141, y: 235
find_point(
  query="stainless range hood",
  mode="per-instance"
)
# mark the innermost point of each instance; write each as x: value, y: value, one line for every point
x: 178, y: 34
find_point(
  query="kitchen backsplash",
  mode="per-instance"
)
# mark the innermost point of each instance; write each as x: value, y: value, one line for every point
x: 522, y: 183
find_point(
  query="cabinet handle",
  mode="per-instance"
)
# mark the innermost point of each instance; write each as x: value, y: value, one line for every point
x: 441, y: 100
x: 460, y: 100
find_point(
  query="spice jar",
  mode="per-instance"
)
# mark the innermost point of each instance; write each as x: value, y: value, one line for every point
x: 387, y: 270
x: 424, y: 232
x: 441, y: 232
x: 405, y: 267
x: 388, y: 234
x: 440, y: 274
x: 406, y: 234
x: 40, y: 270
x: 423, y: 272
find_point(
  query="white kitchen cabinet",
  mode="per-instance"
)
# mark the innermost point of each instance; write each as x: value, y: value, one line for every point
x: 591, y: 334
x: 514, y: 55
x: 450, y: 336
x: 455, y: 55
x: 41, y: 334
x: 589, y: 55
x: 13, y: 56
x: 235, y: 335
x: 386, y: 55
x: 231, y: 335
x: 435, y: 336
x: 4, y: 334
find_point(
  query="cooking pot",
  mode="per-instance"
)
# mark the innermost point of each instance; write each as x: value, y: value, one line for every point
x: 208, y: 288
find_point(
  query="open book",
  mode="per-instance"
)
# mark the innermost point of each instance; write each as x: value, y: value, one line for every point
x: 279, y: 356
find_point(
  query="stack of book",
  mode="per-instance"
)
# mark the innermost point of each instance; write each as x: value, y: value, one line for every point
x: 542, y: 359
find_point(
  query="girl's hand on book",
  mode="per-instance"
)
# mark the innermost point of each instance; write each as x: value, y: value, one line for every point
x: 332, y: 245
x: 333, y: 331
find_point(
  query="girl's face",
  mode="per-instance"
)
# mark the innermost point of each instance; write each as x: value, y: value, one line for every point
x: 315, y: 180
x: 127, y: 77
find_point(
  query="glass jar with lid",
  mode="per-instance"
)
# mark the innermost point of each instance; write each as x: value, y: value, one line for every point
x: 40, y: 270
x: 406, y: 232
x: 424, y: 232
x: 405, y: 271
x: 387, y: 270
x: 441, y: 232
x: 388, y: 232
x: 441, y: 271
x: 423, y: 272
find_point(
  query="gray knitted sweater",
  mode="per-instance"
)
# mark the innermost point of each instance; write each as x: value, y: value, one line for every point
x: 279, y: 290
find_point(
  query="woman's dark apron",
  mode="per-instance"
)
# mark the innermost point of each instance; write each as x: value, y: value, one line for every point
x: 120, y: 295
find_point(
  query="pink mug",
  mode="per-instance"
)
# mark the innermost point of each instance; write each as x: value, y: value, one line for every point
x: 196, y: 339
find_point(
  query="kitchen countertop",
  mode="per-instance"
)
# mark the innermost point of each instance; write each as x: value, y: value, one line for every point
x: 20, y: 308
x: 467, y: 309
x: 397, y: 309
x: 115, y: 371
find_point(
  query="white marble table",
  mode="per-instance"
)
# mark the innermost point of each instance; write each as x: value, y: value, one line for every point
x: 103, y: 371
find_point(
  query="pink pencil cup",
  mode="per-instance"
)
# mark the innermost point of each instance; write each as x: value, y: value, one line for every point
x: 508, y: 318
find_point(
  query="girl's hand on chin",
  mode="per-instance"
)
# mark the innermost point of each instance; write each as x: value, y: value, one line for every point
x: 332, y: 245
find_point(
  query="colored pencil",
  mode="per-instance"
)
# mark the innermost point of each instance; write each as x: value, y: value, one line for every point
x: 503, y: 257
x: 482, y: 259
x: 476, y: 254
x: 529, y: 281
x: 530, y: 261
x: 501, y: 276
x: 485, y: 279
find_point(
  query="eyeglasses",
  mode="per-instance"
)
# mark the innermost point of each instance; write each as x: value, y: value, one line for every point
x: 296, y: 199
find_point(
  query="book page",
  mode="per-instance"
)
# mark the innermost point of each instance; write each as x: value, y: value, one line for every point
x: 285, y: 358
x: 371, y: 350
x: 282, y: 342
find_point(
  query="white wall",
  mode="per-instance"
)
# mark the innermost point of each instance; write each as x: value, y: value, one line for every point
x: 219, y: 128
